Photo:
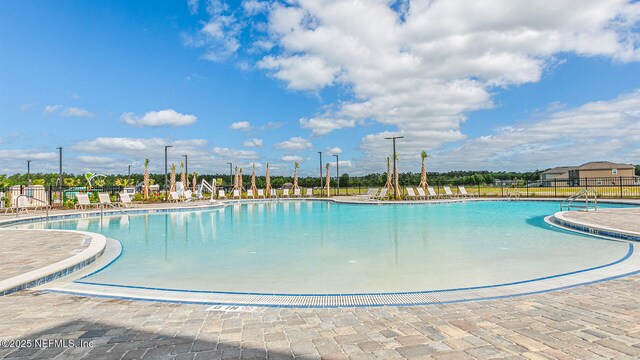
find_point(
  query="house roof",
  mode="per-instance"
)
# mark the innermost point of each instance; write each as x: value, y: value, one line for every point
x: 559, y: 170
x: 603, y: 165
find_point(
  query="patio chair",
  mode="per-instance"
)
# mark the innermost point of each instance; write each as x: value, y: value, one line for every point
x: 411, y: 194
x: 448, y: 192
x: 125, y: 200
x: 273, y: 194
x: 250, y: 194
x: 236, y: 194
x: 296, y: 193
x: 105, y: 199
x: 309, y: 192
x: 188, y: 195
x: 432, y: 193
x: 174, y: 197
x: 285, y: 193
x: 221, y: 194
x: 381, y: 195
x: 464, y: 193
x: 261, y: 193
x: 83, y: 202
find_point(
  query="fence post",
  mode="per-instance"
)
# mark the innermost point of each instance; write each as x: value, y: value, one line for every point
x: 621, y: 187
x: 501, y: 189
x: 527, y: 188
x: 555, y: 187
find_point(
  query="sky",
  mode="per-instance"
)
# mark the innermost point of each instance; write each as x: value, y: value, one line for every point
x: 505, y: 85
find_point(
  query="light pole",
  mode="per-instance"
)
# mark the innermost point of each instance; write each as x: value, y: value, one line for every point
x: 60, y: 178
x: 230, y: 173
x: 320, y: 152
x: 337, y: 175
x: 28, y: 172
x: 166, y: 179
x: 395, y: 166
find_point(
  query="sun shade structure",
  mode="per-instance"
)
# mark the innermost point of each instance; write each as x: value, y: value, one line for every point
x: 295, y: 175
x: 254, y: 189
x: 423, y: 172
x: 146, y: 179
x: 328, y: 180
x: 173, y: 178
x: 268, y: 185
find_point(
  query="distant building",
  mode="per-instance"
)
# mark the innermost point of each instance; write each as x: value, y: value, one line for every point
x: 593, y: 173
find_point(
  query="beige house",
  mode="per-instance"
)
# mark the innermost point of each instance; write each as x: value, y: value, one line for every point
x: 559, y: 172
x: 601, y: 172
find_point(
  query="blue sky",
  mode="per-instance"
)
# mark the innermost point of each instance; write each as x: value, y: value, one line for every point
x: 520, y: 88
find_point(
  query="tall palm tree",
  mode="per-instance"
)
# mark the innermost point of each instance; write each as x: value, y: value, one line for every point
x: 146, y: 179
x: 268, y: 185
x: 194, y: 182
x: 253, y: 180
x: 183, y: 178
x: 295, y: 175
x: 388, y: 185
x: 423, y: 172
x: 328, y: 180
x: 236, y: 182
x: 173, y: 178
x: 240, y: 181
x: 396, y: 186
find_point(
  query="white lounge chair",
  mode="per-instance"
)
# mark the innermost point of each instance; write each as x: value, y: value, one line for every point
x: 285, y: 193
x: 83, y: 201
x: 382, y: 194
x: 432, y: 193
x: 125, y: 200
x: 274, y: 193
x: 188, y: 195
x: 260, y: 193
x: 296, y: 193
x: 464, y: 193
x: 174, y: 197
x: 250, y: 194
x: 421, y: 194
x: 221, y: 194
x: 309, y: 192
x: 106, y: 199
x: 366, y: 196
x: 448, y: 192
x: 236, y: 194
x: 411, y: 194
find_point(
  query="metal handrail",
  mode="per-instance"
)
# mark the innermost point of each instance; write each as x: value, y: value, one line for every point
x: 582, y: 194
x: 18, y: 207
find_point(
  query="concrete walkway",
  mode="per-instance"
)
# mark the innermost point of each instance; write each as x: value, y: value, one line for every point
x: 626, y: 219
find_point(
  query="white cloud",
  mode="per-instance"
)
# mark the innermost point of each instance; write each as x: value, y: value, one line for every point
x: 49, y: 109
x: 241, y: 125
x: 76, y: 112
x: 252, y: 143
x: 27, y: 155
x: 254, y: 7
x: 234, y: 154
x: 322, y: 126
x: 25, y: 107
x: 334, y: 151
x: 421, y: 68
x: 291, y: 158
x: 193, y: 6
x: 167, y: 117
x: 220, y: 36
x: 271, y: 125
x: 95, y: 160
x: 295, y: 144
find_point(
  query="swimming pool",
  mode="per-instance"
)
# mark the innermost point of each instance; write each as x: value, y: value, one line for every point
x: 318, y: 247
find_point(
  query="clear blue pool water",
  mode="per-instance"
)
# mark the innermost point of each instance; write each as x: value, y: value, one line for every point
x: 320, y: 247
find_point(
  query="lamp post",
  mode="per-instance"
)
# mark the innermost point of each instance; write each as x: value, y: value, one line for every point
x: 337, y: 175
x: 60, y: 178
x: 28, y: 172
x: 166, y: 179
x: 395, y: 166
x: 230, y: 173
x: 321, y: 192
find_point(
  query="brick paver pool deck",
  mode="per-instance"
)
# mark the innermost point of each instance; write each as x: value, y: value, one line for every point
x: 594, y: 321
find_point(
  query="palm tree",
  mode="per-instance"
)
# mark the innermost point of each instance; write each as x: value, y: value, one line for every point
x: 253, y: 179
x: 388, y: 184
x: 183, y: 178
x: 423, y: 172
x: 328, y: 180
x: 396, y: 188
x: 235, y: 180
x: 172, y: 179
x: 194, y: 182
x: 146, y: 179
x: 268, y: 184
x: 295, y: 175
